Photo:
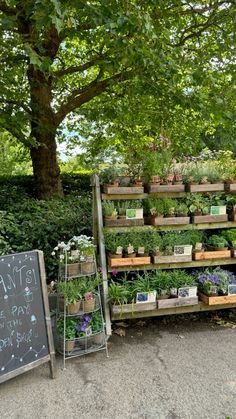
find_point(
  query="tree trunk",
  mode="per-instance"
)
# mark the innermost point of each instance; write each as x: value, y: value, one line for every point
x: 43, y: 131
x: 45, y: 168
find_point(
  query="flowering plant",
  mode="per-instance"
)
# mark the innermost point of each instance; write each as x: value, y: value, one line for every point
x: 217, y: 279
x: 83, y: 327
x: 88, y: 296
x: 77, y: 249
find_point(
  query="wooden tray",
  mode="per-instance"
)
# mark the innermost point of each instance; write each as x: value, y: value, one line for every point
x: 211, y: 301
x: 199, y: 219
x: 216, y: 254
x: 122, y: 222
x: 160, y: 221
x: 208, y: 187
x: 172, y: 259
x: 123, y: 190
x: 153, y: 188
x: 142, y: 260
x: 131, y: 308
x: 231, y: 187
x: 177, y: 302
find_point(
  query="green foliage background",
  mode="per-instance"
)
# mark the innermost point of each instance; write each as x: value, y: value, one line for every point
x: 27, y: 223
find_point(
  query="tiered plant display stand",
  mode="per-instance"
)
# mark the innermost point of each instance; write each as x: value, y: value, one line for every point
x: 92, y: 342
x: 169, y: 306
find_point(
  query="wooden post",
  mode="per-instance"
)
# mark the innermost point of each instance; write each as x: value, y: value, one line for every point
x: 47, y: 314
x: 102, y: 253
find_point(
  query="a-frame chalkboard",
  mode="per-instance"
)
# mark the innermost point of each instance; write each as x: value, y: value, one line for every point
x: 25, y: 326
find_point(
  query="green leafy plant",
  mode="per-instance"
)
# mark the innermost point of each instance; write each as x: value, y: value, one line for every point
x: 70, y: 331
x: 217, y: 241
x: 118, y: 294
x: 109, y: 209
x: 155, y: 206
x: 181, y: 209
x: 71, y: 290
x: 96, y: 322
x: 230, y: 236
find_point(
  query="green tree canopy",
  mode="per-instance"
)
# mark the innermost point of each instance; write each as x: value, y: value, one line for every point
x: 58, y: 56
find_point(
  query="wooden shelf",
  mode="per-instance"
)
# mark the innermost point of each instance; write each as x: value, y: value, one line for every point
x: 192, y: 264
x: 145, y: 195
x: 202, y: 226
x: 173, y: 310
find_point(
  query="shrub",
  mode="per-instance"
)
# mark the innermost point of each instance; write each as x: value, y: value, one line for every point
x: 26, y: 223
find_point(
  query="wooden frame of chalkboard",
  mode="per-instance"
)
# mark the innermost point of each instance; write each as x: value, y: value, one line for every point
x: 26, y: 339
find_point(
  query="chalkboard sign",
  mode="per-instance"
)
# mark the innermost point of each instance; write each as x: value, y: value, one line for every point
x: 25, y: 326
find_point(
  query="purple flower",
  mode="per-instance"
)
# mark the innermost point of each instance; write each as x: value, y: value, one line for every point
x: 114, y: 272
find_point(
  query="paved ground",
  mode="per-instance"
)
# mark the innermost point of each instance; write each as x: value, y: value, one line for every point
x: 178, y: 367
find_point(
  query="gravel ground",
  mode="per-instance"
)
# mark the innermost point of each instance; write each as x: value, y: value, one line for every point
x: 181, y: 367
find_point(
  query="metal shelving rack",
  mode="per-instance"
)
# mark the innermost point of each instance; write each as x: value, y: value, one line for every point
x: 92, y: 342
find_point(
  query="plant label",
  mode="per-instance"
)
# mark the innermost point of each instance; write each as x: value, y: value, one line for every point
x: 185, y: 250
x: 146, y: 297
x: 218, y: 210
x: 232, y: 289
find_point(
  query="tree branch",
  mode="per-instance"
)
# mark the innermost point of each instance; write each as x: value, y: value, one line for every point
x: 87, y: 93
x: 80, y: 67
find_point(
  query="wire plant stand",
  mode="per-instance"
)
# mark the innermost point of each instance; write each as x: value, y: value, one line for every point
x: 91, y: 341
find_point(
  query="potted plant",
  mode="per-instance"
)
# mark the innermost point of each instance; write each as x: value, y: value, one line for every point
x: 70, y: 294
x: 181, y: 210
x: 90, y: 285
x: 109, y: 209
x: 97, y: 328
x: 66, y: 329
x: 169, y: 207
x: 77, y: 256
x: 110, y: 176
x: 130, y: 253
x: 119, y: 293
x: 216, y: 242
x: 113, y: 245
x: 84, y: 331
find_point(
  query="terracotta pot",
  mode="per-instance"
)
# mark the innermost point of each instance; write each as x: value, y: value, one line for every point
x: 99, y: 339
x: 89, y: 305
x: 87, y: 268
x: 69, y: 345
x: 74, y: 307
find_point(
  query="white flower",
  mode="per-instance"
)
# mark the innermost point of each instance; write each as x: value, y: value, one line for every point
x: 53, y: 253
x: 62, y: 257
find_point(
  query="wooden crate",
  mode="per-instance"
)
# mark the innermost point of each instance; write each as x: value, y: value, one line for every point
x: 231, y: 187
x: 132, y: 308
x: 232, y: 216
x: 177, y: 302
x: 122, y: 222
x: 135, y: 261
x: 172, y: 259
x: 161, y: 221
x: 216, y: 254
x: 200, y: 219
x: 153, y: 188
x: 208, y: 187
x: 212, y: 301
x: 123, y: 190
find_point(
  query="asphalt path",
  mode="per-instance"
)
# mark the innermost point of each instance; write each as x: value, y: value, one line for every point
x: 180, y: 367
